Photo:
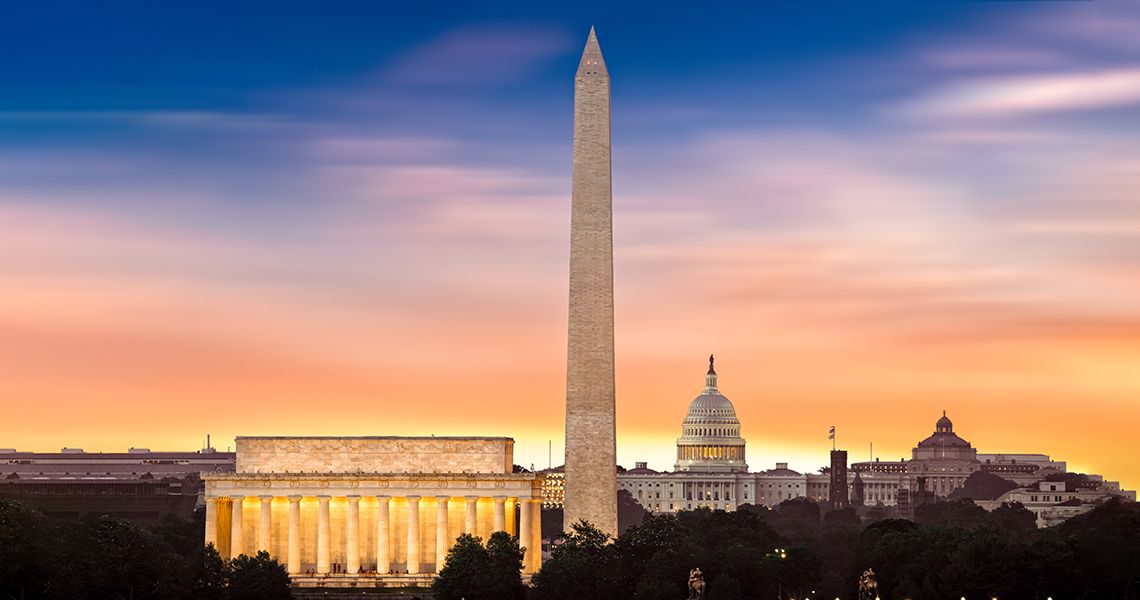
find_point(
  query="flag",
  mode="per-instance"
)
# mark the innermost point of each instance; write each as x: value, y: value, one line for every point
x: 831, y: 434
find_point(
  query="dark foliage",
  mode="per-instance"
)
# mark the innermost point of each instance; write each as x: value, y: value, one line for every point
x: 736, y: 551
x: 982, y: 486
x: 257, y: 578
x: 630, y: 513
x: 473, y: 571
x: 101, y: 557
x: 582, y: 566
x: 1073, y: 481
x: 956, y: 549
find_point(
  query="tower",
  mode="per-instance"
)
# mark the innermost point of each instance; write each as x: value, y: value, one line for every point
x: 838, y: 489
x: 591, y: 447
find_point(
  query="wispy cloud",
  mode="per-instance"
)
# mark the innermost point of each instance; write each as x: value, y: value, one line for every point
x: 188, y: 119
x: 1028, y: 95
x: 993, y: 58
x: 484, y: 54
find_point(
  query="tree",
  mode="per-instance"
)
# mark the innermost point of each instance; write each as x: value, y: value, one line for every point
x: 209, y: 575
x: 504, y: 570
x: 1013, y: 519
x: 630, y: 512
x: 796, y: 519
x: 844, y: 517
x: 257, y: 577
x: 25, y: 551
x: 952, y: 513
x: 476, y: 572
x: 112, y: 558
x: 1073, y: 481
x: 653, y: 559
x: 462, y: 572
x: 582, y: 566
x: 982, y: 486
x: 184, y: 536
x: 726, y: 587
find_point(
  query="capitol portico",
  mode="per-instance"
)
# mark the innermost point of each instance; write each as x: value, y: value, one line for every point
x: 363, y: 505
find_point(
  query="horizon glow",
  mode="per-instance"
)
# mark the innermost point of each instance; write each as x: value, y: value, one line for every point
x: 355, y: 221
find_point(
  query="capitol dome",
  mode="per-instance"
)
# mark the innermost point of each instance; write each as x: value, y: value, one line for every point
x: 710, y: 434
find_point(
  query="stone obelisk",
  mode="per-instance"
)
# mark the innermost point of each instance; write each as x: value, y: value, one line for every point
x: 591, y: 452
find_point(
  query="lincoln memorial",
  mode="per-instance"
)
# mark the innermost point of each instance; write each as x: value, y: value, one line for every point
x: 369, y: 506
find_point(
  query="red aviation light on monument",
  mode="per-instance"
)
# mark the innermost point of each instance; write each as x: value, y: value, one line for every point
x: 592, y: 63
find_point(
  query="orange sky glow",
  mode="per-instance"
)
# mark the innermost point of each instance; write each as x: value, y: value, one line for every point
x: 942, y: 218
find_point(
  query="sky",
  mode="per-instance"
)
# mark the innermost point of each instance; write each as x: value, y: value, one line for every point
x: 352, y: 218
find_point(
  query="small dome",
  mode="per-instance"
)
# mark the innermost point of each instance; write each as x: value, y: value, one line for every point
x: 944, y: 436
x: 944, y: 440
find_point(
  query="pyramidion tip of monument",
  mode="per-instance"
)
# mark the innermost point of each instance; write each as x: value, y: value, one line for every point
x: 592, y: 62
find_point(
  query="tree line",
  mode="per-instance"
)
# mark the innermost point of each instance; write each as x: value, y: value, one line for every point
x: 953, y: 549
x: 100, y: 558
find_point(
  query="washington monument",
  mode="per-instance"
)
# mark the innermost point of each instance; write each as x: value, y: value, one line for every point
x: 591, y: 448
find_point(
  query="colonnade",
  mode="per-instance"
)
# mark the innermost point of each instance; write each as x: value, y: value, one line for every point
x: 710, y: 452
x: 529, y: 530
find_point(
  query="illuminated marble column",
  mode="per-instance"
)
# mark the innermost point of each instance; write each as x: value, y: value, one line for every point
x: 263, y: 524
x: 441, y: 537
x: 413, y: 534
x: 472, y: 520
x: 352, y: 535
x: 294, y: 535
x: 235, y: 526
x: 212, y: 522
x: 383, y: 544
x: 536, y: 534
x: 500, y: 513
x: 323, y: 559
x: 524, y: 533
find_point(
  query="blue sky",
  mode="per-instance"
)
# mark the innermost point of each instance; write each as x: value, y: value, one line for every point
x: 933, y: 202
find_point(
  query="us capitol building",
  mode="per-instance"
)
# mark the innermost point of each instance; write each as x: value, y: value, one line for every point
x: 711, y: 472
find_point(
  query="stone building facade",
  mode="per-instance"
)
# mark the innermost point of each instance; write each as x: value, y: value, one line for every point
x: 1055, y: 501
x: 711, y: 471
x: 372, y: 508
x: 139, y: 485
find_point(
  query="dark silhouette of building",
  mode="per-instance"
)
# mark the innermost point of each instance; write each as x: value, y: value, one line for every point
x: 857, y: 491
x: 137, y: 485
x: 838, y: 487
